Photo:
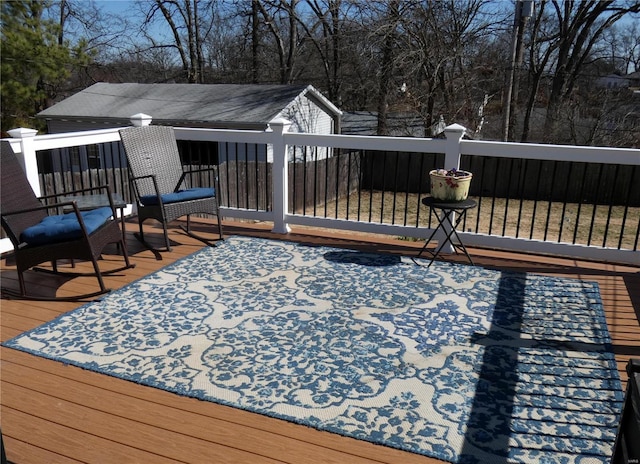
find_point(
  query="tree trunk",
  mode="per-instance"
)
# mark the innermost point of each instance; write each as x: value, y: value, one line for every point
x: 255, y: 38
x: 286, y: 46
x: 581, y: 25
x: 386, y: 68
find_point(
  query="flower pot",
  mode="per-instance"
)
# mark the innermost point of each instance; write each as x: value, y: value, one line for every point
x: 452, y: 185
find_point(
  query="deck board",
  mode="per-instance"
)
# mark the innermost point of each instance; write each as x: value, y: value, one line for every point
x: 51, y: 412
x: 120, y: 413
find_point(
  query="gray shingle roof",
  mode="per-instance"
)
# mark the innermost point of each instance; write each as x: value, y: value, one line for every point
x: 232, y: 104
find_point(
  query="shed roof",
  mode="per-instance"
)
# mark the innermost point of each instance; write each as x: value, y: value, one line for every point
x: 222, y: 105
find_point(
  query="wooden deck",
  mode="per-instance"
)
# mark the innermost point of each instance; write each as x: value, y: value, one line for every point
x: 54, y: 413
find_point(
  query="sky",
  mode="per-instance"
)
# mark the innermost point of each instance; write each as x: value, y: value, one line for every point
x: 131, y: 10
x: 116, y: 6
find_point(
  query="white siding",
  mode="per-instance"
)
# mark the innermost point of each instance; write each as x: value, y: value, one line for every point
x: 307, y: 117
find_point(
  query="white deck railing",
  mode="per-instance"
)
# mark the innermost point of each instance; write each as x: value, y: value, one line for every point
x: 26, y: 143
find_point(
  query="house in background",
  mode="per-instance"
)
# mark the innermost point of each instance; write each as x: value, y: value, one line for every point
x: 214, y: 106
x: 613, y: 81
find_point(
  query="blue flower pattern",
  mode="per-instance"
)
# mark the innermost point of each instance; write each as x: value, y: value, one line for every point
x: 460, y: 363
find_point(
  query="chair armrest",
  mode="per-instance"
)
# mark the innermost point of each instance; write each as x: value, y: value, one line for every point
x: 213, y: 169
x: 73, y: 192
x: 134, y: 183
x: 150, y: 176
x: 39, y: 208
x: 59, y: 205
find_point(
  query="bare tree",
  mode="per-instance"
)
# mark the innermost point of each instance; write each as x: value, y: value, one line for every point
x: 81, y: 20
x: 510, y: 99
x: 581, y: 25
x: 441, y: 46
x: 391, y: 21
x: 255, y: 40
x: 538, y: 62
x: 326, y: 35
x: 281, y: 20
x: 624, y: 41
x: 101, y: 36
x: 189, y: 30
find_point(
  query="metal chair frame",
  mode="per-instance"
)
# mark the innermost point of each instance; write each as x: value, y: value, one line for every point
x: 156, y: 170
x: 21, y: 209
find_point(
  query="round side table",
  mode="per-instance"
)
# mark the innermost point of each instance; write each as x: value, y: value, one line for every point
x: 444, y: 211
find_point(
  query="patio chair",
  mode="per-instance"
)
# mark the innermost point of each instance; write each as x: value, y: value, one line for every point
x: 160, y: 184
x: 39, y: 237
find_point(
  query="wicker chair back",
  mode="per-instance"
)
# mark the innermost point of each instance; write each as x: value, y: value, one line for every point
x: 20, y: 209
x: 156, y: 173
x: 16, y: 194
x: 153, y: 150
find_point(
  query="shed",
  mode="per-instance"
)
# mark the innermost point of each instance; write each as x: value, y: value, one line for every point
x: 215, y: 106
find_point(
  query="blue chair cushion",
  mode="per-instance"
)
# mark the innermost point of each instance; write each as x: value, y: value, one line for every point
x: 64, y: 227
x: 181, y: 195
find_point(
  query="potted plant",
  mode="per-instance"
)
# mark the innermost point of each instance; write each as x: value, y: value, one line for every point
x: 450, y: 185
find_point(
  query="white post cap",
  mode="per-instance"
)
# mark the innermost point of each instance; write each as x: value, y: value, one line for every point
x: 141, y: 119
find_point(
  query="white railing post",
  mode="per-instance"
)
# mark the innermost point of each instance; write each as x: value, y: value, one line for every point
x: 280, y: 176
x: 453, y: 134
x: 28, y: 155
x: 141, y: 119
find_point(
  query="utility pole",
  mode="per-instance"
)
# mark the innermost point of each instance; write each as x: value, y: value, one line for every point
x: 524, y: 10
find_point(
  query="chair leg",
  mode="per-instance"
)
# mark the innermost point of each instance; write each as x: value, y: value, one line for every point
x: 125, y: 254
x: 220, y: 226
x: 165, y: 228
x: 141, y: 239
x: 141, y: 232
x: 98, y: 274
x: 23, y: 288
x: 22, y: 294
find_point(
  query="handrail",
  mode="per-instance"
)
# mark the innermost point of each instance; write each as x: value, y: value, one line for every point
x: 26, y: 143
x: 539, y: 151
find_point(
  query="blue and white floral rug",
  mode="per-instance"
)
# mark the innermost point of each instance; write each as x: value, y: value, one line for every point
x: 456, y: 362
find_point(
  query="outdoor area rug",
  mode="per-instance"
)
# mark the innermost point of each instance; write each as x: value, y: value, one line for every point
x: 456, y: 362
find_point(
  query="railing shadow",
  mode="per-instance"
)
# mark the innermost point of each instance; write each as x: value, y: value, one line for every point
x: 362, y: 258
x: 510, y: 374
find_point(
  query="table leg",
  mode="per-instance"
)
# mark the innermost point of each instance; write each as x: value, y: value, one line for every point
x: 424, y: 248
x: 446, y: 215
x: 434, y: 255
x: 453, y: 231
